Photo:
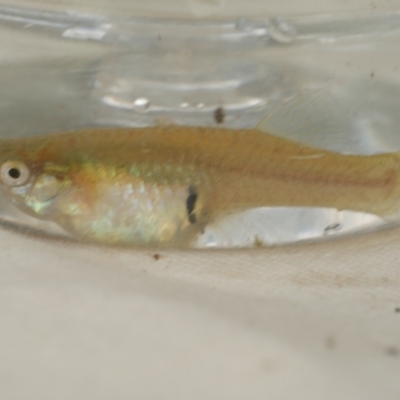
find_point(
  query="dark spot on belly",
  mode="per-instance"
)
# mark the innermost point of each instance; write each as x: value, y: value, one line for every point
x: 219, y: 115
x: 191, y: 204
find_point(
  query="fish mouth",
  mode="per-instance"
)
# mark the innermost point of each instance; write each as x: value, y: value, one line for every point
x: 16, y: 195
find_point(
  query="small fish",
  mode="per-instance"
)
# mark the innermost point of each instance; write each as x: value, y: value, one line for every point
x: 162, y: 185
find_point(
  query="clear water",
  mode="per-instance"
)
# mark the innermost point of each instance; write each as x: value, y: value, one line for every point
x: 65, y: 71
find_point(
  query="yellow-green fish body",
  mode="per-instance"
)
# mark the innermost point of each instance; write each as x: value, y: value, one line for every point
x: 163, y: 185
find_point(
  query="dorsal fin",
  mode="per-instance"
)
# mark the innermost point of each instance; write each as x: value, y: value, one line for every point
x: 313, y: 118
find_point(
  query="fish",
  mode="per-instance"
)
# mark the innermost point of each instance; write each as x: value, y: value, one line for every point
x: 162, y: 185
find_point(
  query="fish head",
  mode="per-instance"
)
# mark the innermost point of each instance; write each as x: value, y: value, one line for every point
x: 33, y: 184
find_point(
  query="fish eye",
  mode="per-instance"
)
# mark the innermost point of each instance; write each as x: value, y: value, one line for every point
x: 14, y: 173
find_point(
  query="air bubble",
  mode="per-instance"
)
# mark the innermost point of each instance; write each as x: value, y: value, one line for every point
x: 141, y: 104
x: 200, y: 105
x: 185, y: 105
x: 282, y: 31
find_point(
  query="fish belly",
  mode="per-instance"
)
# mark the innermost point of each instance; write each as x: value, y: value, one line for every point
x: 133, y: 213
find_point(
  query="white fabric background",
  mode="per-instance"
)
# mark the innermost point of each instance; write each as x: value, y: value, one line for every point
x: 300, y: 322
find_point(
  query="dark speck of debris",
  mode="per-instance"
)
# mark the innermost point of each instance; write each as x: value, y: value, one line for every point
x: 392, y: 351
x: 372, y: 74
x: 219, y: 115
x: 397, y: 309
x: 330, y: 342
x: 159, y: 37
x: 156, y: 256
x: 257, y: 242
